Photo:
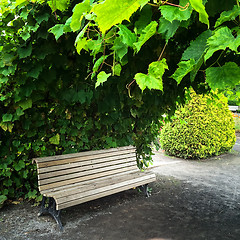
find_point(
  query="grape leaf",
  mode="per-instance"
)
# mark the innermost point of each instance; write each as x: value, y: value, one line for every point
x: 116, y: 69
x: 101, y: 78
x: 78, y: 11
x: 228, y: 16
x: 199, y: 7
x: 172, y: 13
x: 112, y: 12
x: 61, y: 5
x: 120, y: 48
x: 24, y: 52
x: 185, y: 67
x: 167, y: 29
x: 223, y: 77
x: 126, y: 35
x: 152, y: 80
x: 148, y: 32
x: 81, y: 44
x: 57, y: 30
x: 221, y: 39
x: 197, y: 47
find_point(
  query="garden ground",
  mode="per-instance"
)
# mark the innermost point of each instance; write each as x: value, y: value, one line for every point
x: 191, y: 200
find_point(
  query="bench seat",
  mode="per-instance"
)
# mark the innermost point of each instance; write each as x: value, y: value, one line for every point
x: 76, y: 178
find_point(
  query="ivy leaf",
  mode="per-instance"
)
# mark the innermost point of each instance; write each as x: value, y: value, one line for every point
x: 101, y: 78
x: 167, y: 29
x: 25, y: 104
x: 112, y: 12
x: 19, y: 165
x: 57, y: 30
x: 184, y: 67
x: 172, y: 13
x: 7, y: 117
x: 221, y: 39
x: 24, y: 52
x: 228, y: 16
x: 55, y: 139
x: 78, y: 11
x: 147, y: 33
x: 223, y: 77
x: 152, y: 80
x: 199, y: 7
x: 34, y: 72
x: 126, y: 35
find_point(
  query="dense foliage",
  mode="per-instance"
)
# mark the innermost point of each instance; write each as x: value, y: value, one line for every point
x: 99, y: 74
x: 202, y: 128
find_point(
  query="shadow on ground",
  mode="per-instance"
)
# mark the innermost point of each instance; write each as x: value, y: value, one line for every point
x: 191, y: 200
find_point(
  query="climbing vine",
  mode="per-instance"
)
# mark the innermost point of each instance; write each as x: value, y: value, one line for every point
x: 77, y: 76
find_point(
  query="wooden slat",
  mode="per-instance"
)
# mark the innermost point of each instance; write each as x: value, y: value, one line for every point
x: 85, y: 168
x: 82, y: 158
x: 73, y: 190
x: 68, y: 165
x: 87, y: 153
x: 105, y: 192
x: 52, y: 191
x: 84, y: 178
x: 84, y: 173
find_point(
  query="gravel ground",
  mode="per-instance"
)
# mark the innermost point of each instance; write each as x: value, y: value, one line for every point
x: 191, y: 200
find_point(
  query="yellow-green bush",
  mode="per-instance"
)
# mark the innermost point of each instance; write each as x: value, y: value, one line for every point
x: 202, y: 128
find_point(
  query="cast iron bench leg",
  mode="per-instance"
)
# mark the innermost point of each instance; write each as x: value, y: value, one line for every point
x: 145, y: 190
x: 51, y: 209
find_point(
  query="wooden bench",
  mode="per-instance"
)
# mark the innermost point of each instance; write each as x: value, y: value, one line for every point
x: 71, y: 179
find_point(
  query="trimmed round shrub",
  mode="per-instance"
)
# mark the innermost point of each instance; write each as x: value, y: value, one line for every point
x: 202, y: 128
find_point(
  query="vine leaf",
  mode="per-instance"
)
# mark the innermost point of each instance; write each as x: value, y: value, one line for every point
x: 126, y: 35
x: 228, y: 16
x: 223, y: 77
x: 112, y: 12
x: 167, y: 29
x: 55, y: 139
x: 57, y: 30
x: 78, y: 11
x: 101, y: 78
x: 172, y: 13
x: 152, y: 80
x: 185, y: 67
x: 197, y: 47
x: 24, y: 52
x: 221, y: 40
x: 199, y: 7
x: 147, y: 33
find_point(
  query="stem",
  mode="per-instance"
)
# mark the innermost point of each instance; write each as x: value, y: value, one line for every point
x: 162, y: 51
x: 238, y: 3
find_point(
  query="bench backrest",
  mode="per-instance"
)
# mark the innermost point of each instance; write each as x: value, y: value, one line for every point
x: 62, y: 170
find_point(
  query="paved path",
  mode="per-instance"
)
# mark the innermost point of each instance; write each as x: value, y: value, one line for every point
x: 220, y: 174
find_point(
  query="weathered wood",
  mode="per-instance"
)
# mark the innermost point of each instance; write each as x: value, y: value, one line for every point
x: 81, y: 154
x: 76, y: 178
x: 80, y: 163
x: 78, y: 167
x: 84, y: 178
x: 103, y: 194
